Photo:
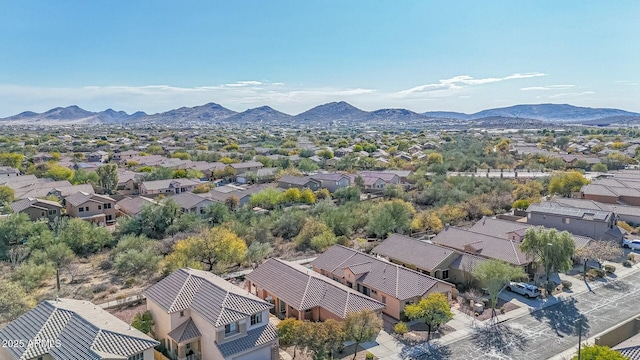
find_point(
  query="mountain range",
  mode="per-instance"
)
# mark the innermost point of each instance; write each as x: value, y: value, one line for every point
x: 335, y: 111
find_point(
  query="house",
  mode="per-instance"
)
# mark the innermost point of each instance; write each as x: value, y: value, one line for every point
x: 133, y: 205
x: 243, y: 167
x: 124, y: 156
x: 402, y: 174
x: 299, y: 182
x: 98, y: 156
x: 128, y: 182
x: 94, y: 208
x: 38, y: 208
x: 376, y: 181
x: 86, y: 166
x: 191, y: 203
x: 73, y: 329
x: 199, y: 315
x: 299, y: 292
x: 243, y: 194
x: 259, y: 176
x: 424, y: 257
x: 6, y: 171
x: 332, y: 181
x: 169, y: 186
x: 59, y: 189
x: 391, y: 284
x: 596, y: 224
x: 484, y: 246
x: 613, y: 191
x: 628, y: 214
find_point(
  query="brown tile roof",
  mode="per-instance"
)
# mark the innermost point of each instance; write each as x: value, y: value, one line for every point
x: 412, y: 251
x: 395, y: 280
x: 482, y: 245
x: 303, y: 288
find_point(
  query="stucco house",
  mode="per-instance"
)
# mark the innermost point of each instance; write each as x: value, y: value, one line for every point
x: 73, y: 329
x: 191, y: 203
x: 296, y: 291
x: 38, y: 208
x: 299, y: 182
x: 597, y: 224
x: 94, y: 208
x: 200, y: 316
x: 391, y: 284
x: 332, y: 181
x: 169, y: 186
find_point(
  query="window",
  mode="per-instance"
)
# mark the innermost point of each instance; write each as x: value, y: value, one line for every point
x: 43, y: 214
x: 52, y: 212
x: 81, y: 209
x: 181, y: 313
x: 109, y: 218
x: 445, y: 274
x: 566, y: 220
x: 139, y: 356
x: 99, y: 207
x: 231, y: 329
x: 384, y: 299
x: 350, y: 284
x: 256, y: 318
x: 283, y: 306
x: 107, y: 206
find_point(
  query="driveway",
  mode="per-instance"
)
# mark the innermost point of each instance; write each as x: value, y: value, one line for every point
x: 545, y: 332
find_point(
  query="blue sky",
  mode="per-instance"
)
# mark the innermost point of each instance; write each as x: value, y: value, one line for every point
x: 292, y: 55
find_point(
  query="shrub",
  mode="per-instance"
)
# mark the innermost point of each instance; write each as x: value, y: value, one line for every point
x: 401, y: 328
x: 566, y: 284
x: 369, y: 356
x: 455, y: 293
x: 631, y: 257
x: 105, y: 265
x: 595, y: 273
x: 626, y: 263
x: 610, y: 269
x: 461, y: 287
x: 98, y: 288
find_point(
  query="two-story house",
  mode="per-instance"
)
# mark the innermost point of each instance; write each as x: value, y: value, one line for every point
x: 191, y: 203
x: 94, y: 208
x: 98, y: 156
x: 297, y: 291
x: 596, y: 224
x: 38, y: 208
x: 72, y: 329
x: 393, y: 285
x: 243, y: 167
x: 200, y: 316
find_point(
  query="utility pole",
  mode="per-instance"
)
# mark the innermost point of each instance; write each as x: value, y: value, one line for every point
x: 579, y: 335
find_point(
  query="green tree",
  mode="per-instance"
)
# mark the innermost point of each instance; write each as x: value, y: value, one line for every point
x: 136, y: 255
x: 494, y: 275
x: 565, y: 184
x: 232, y: 203
x: 307, y: 166
x: 85, y: 238
x: 325, y: 153
x: 82, y: 176
x: 311, y: 229
x: 216, y: 247
x: 435, y: 158
x: 17, y: 228
x: 13, y: 160
x: 361, y: 327
x: 108, y: 178
x: 31, y: 275
x: 307, y: 196
x: 390, y: 217
x: 216, y: 213
x: 153, y: 221
x: 597, y: 352
x: 58, y: 255
x: 268, y: 198
x: 289, y: 333
x: 521, y: 204
x: 346, y: 194
x: 599, y: 167
x: 58, y: 172
x: 257, y: 251
x: 433, y: 310
x: 14, y: 301
x: 359, y: 182
x: 7, y: 195
x: 553, y: 249
x: 143, y: 321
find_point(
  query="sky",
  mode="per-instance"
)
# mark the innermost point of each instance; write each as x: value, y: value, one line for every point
x: 420, y: 55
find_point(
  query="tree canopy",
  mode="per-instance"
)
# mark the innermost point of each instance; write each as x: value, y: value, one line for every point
x: 494, y: 276
x: 553, y: 249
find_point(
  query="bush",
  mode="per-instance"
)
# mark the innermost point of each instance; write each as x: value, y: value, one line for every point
x: 401, y: 328
x: 105, y: 265
x: 566, y: 284
x: 461, y: 287
x: 98, y: 288
x: 610, y: 269
x: 455, y: 293
x: 369, y: 356
x: 595, y: 273
x: 631, y: 257
x: 627, y: 263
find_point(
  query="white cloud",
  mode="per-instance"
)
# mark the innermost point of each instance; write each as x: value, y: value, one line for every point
x: 547, y: 88
x: 449, y: 86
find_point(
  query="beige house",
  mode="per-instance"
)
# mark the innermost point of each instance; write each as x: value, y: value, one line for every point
x: 94, y: 208
x: 72, y: 329
x: 200, y: 316
x: 299, y: 292
x: 38, y: 208
x: 391, y: 284
x: 169, y: 186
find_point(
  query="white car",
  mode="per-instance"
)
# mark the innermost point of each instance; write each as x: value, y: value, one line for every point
x: 631, y: 244
x: 526, y: 290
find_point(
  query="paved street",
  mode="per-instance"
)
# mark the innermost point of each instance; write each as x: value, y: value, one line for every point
x: 547, y: 332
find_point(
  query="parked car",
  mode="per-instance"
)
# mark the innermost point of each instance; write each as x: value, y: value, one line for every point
x: 526, y: 290
x: 631, y: 244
